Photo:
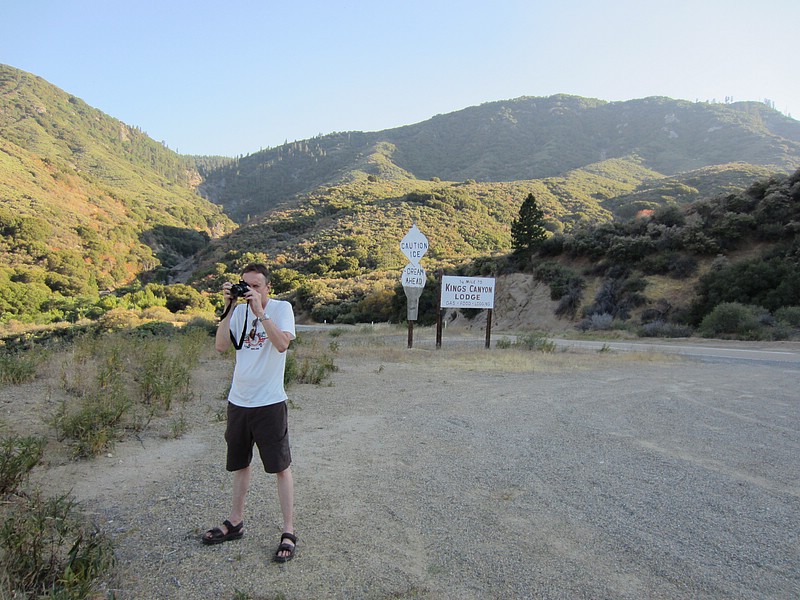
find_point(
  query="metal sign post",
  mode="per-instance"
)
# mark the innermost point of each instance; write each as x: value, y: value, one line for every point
x: 414, y: 245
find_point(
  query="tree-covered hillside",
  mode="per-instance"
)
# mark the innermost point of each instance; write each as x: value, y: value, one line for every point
x: 336, y: 253
x: 728, y: 265
x: 98, y: 217
x: 88, y: 202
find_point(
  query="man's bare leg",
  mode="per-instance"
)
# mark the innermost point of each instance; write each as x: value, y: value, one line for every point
x: 241, y: 483
x: 286, y: 499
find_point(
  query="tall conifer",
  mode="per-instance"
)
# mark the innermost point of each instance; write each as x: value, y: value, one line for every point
x: 527, y: 232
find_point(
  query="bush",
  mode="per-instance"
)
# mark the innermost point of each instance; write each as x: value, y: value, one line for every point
x: 731, y: 319
x: 19, y: 456
x: 19, y: 366
x: 789, y: 315
x: 664, y: 329
x: 618, y: 294
x: 670, y: 216
x: 285, y: 280
x: 552, y: 246
x: 562, y: 280
x: 771, y: 283
x: 93, y: 425
x: 530, y: 341
x: 111, y: 374
x: 181, y: 297
x: 596, y: 322
x: 162, y: 377
x: 569, y: 302
x: 203, y: 324
x: 630, y: 250
x: 119, y: 318
x: 49, y: 550
x: 676, y: 265
x: 155, y: 328
x: 309, y: 364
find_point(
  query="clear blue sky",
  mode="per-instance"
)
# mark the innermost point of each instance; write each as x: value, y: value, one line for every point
x: 233, y: 76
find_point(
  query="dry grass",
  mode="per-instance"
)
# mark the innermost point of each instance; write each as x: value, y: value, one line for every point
x: 675, y: 291
x: 465, y: 351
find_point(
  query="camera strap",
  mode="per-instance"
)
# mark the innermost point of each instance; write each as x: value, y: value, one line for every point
x: 227, y: 310
x: 244, y: 329
x: 238, y: 345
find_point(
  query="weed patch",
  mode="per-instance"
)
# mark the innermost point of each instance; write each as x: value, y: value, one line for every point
x: 18, y: 455
x: 529, y: 341
x: 121, y: 381
x: 308, y: 363
x: 50, y: 551
x: 20, y: 366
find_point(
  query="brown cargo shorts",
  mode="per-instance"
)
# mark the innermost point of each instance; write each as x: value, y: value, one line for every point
x: 265, y: 426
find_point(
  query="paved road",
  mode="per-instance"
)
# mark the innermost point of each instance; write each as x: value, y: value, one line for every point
x: 706, y: 351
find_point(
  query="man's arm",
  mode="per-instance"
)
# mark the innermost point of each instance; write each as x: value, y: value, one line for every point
x: 280, y: 339
x: 222, y: 340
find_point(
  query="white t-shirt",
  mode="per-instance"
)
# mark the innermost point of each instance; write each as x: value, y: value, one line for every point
x: 258, y: 374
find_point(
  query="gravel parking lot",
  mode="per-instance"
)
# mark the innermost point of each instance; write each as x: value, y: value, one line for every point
x: 483, y: 474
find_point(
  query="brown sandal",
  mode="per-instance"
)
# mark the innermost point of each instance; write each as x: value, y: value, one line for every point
x: 217, y: 536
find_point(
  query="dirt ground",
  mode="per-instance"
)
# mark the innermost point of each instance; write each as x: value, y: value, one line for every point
x: 465, y: 473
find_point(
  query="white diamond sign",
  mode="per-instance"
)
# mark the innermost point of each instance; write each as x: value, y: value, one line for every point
x: 414, y: 245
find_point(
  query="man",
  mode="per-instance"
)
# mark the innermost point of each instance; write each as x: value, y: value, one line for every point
x: 260, y: 330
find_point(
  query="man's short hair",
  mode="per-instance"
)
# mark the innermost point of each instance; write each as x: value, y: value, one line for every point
x: 257, y: 268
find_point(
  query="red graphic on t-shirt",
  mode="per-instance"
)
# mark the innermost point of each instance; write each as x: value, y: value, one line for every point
x: 256, y: 342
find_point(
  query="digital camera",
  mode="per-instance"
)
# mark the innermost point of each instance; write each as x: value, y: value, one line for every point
x: 239, y: 289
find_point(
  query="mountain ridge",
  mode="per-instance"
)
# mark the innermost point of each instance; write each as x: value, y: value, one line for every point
x: 91, y: 204
x: 523, y: 139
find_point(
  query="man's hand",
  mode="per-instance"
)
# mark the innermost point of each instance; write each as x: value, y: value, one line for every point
x: 226, y: 292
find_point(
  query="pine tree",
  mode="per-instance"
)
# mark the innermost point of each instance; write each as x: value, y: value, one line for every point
x: 527, y: 232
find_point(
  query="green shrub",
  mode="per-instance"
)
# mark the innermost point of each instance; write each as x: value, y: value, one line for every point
x: 156, y: 328
x: 163, y: 376
x: 290, y: 370
x: 630, y: 250
x: 181, y: 297
x: 18, y: 455
x: 596, y: 322
x: 97, y: 376
x: 618, y: 294
x: 771, y: 283
x: 528, y: 341
x: 121, y: 380
x: 94, y: 425
x: 20, y: 366
x: 676, y: 265
x: 203, y: 324
x: 49, y: 550
x: 731, y: 319
x: 314, y: 370
x: 552, y: 246
x: 285, y: 280
x: 308, y: 363
x: 790, y: 315
x: 566, y: 286
x: 664, y: 329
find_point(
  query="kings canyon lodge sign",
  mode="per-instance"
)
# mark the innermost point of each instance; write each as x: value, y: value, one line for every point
x: 467, y: 292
